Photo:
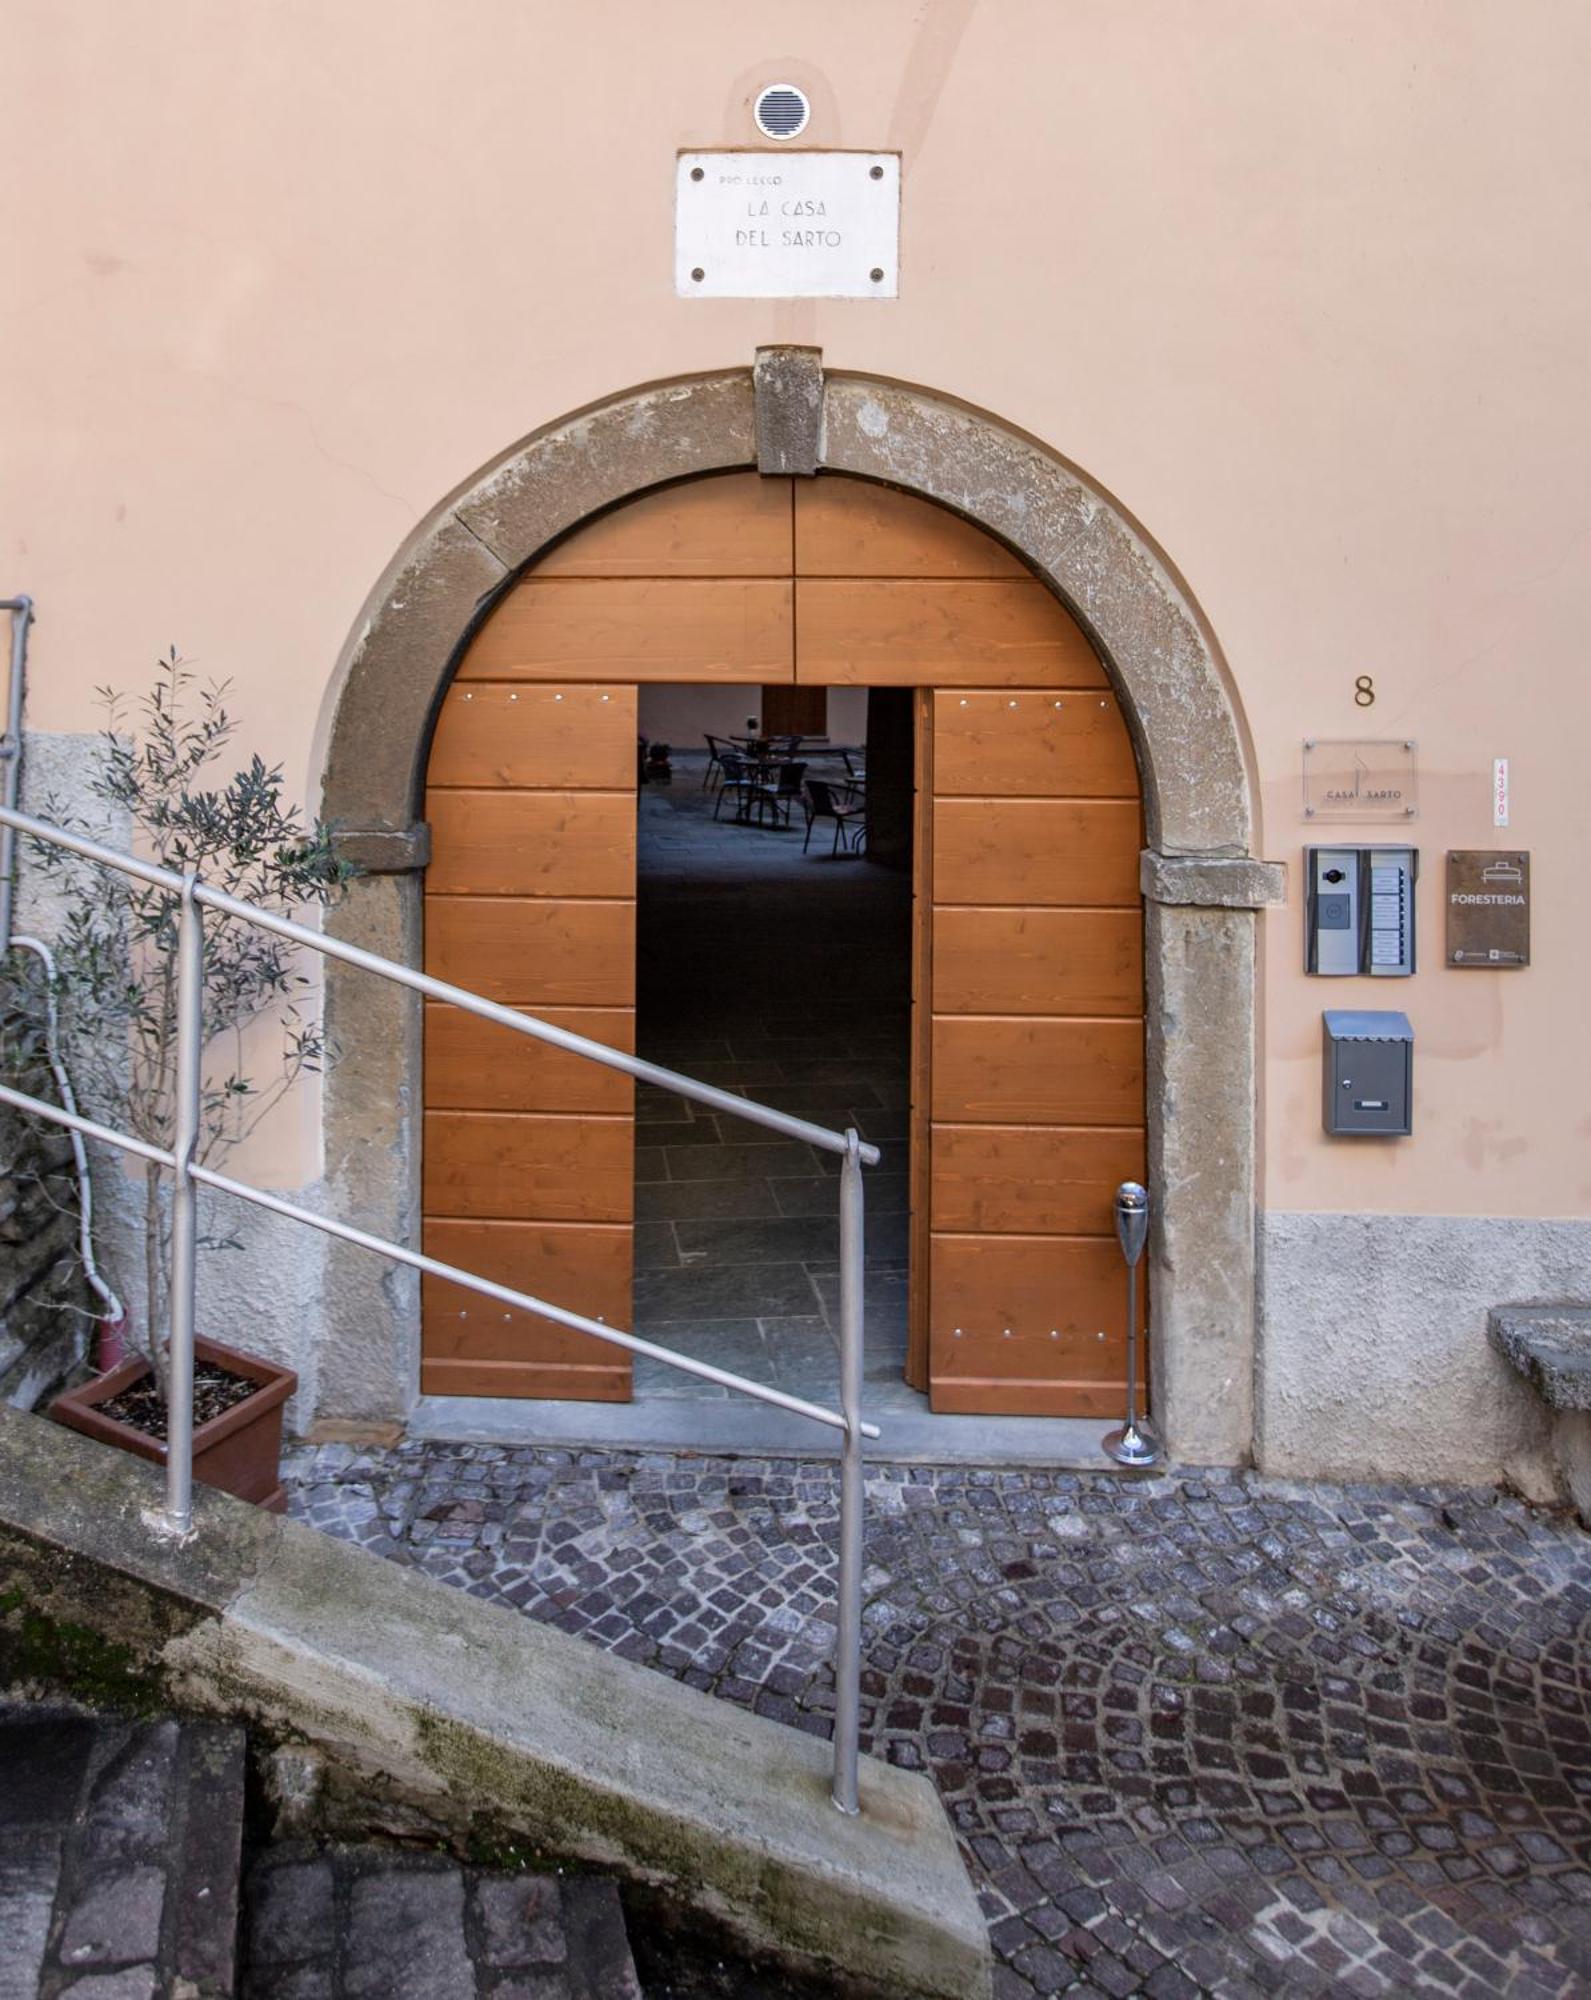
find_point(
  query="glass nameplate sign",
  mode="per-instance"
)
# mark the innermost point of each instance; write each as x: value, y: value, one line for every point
x: 1346, y: 779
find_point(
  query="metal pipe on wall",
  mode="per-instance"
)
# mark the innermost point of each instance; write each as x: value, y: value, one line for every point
x: 21, y: 609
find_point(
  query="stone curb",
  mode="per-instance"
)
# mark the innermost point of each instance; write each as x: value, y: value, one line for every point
x: 462, y: 1719
x: 1551, y: 1347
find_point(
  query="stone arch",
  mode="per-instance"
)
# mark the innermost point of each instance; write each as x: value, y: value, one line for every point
x: 1202, y: 887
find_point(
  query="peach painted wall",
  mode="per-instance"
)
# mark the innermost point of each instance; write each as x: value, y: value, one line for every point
x: 1304, y: 286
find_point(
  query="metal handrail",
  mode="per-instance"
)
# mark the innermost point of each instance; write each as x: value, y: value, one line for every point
x: 194, y: 897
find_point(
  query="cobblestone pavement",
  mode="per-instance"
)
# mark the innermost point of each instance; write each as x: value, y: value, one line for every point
x: 1197, y: 1734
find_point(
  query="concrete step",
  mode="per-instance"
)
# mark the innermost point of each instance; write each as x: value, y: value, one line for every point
x: 378, y: 1923
x: 120, y: 1845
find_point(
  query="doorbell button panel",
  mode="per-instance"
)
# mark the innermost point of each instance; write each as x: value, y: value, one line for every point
x: 1359, y: 911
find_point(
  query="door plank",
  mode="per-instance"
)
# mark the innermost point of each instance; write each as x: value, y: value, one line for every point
x: 584, y: 1267
x: 1022, y: 1071
x: 1042, y: 1324
x: 1032, y: 1180
x: 568, y: 738
x: 1077, y: 852
x: 1018, y: 1298
x: 637, y: 629
x: 1026, y: 961
x: 921, y: 1153
x: 521, y: 1165
x: 499, y: 843
x: 595, y: 1382
x: 532, y: 952
x: 853, y: 527
x: 734, y: 524
x: 1032, y: 745
x: 475, y: 1065
x: 1042, y: 1395
x: 1005, y: 633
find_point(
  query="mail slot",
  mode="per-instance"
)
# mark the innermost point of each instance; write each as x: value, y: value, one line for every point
x: 1369, y: 1074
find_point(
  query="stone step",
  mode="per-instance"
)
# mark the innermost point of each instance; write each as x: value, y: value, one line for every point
x: 377, y: 1923
x: 120, y: 1845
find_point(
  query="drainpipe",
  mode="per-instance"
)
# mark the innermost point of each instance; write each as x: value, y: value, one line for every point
x: 21, y: 609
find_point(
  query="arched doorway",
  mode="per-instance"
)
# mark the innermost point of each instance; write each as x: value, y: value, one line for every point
x: 1202, y: 889
x: 1026, y: 977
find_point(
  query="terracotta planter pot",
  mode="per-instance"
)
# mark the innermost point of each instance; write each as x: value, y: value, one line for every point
x: 239, y: 1451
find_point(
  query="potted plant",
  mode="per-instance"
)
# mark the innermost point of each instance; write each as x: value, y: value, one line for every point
x: 116, y: 989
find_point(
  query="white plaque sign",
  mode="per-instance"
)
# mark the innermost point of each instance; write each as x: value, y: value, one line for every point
x: 783, y: 225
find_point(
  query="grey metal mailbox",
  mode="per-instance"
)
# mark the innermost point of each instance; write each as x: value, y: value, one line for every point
x: 1369, y: 1084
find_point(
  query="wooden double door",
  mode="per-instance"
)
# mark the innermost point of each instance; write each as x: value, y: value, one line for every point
x: 1027, y: 977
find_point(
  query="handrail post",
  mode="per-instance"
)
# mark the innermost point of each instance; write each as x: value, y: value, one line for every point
x: 184, y: 1211
x: 848, y: 1638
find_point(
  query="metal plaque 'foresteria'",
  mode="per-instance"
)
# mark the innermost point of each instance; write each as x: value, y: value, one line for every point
x: 1488, y: 908
x: 777, y: 225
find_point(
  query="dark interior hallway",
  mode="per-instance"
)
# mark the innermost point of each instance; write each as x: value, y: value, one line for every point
x: 783, y: 976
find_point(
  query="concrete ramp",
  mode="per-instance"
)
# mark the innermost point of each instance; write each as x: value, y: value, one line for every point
x: 435, y: 1713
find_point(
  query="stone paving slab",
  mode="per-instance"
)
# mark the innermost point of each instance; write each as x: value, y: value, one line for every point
x: 1202, y: 1734
x: 368, y: 1923
x: 119, y: 1849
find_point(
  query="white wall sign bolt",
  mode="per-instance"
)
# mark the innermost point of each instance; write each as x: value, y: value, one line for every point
x: 784, y: 225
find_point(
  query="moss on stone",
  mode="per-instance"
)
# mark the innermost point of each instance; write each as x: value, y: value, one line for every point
x: 37, y: 1650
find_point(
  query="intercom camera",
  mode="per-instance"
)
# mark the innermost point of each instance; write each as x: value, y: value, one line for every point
x: 1359, y: 911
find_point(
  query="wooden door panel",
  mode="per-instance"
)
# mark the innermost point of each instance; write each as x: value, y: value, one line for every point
x: 1025, y: 961
x: 584, y: 1267
x: 531, y: 952
x: 1027, y: 1180
x: 1054, y: 1390
x: 852, y: 527
x: 522, y: 1165
x: 1033, y: 1324
x: 564, y: 1379
x: 1037, y: 1072
x: 475, y: 1065
x: 737, y: 524
x: 1037, y: 987
x: 635, y: 629
x: 916, y: 634
x: 528, y: 1173
x: 500, y: 843
x: 1032, y: 745
x: 1058, y: 851
x: 1035, y: 1286
x: 564, y: 738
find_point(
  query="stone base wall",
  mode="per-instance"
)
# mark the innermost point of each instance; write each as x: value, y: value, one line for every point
x: 1374, y: 1360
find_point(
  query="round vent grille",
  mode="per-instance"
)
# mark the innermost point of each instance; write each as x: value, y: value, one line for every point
x: 781, y: 111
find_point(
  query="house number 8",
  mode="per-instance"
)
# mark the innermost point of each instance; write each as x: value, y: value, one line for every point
x: 1364, y: 692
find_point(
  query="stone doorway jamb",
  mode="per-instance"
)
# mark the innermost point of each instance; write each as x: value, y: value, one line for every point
x: 1202, y: 888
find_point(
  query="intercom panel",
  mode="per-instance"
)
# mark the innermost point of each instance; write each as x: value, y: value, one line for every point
x: 1359, y: 911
